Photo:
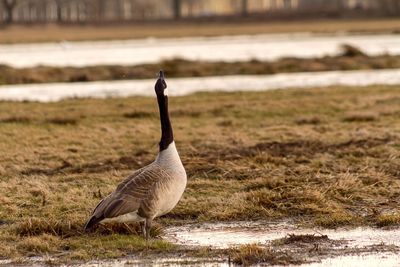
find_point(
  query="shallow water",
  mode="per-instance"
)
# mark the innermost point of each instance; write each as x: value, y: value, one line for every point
x: 225, y: 235
x: 226, y: 48
x: 184, y: 86
x: 172, y: 262
x: 133, y: 262
x: 364, y: 260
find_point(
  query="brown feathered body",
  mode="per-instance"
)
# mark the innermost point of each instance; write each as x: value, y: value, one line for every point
x: 150, y: 192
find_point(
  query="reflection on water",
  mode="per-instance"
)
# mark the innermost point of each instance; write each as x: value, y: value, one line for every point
x: 226, y: 48
x: 365, y: 260
x: 184, y: 86
x: 131, y: 262
x: 225, y: 235
x: 158, y: 262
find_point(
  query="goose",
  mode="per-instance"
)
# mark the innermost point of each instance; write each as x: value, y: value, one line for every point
x: 151, y: 191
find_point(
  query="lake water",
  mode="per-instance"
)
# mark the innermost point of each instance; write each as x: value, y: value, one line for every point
x: 226, y: 48
x: 184, y: 86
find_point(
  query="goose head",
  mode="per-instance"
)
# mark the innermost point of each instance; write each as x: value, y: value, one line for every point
x: 161, y: 85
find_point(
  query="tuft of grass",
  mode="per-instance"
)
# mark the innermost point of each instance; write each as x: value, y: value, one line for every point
x: 348, y: 50
x: 336, y: 220
x: 360, y: 117
x: 313, y: 120
x: 388, y: 220
x: 39, y: 245
x: 138, y: 114
x: 309, y: 238
x: 252, y: 254
x: 40, y: 226
x: 62, y: 121
x: 15, y: 119
x: 65, y: 228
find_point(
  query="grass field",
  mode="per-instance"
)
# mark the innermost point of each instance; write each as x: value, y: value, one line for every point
x: 53, y: 33
x: 321, y: 157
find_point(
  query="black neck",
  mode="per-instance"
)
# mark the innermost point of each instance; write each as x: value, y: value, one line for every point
x: 167, y: 136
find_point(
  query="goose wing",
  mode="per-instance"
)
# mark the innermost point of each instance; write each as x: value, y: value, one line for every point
x: 129, y: 195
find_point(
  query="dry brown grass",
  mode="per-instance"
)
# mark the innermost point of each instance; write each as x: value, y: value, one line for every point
x: 251, y: 254
x: 47, y: 33
x: 388, y: 220
x: 246, y: 154
x: 292, y: 238
x: 360, y: 116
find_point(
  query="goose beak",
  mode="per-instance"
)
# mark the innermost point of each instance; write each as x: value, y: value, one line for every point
x: 161, y: 75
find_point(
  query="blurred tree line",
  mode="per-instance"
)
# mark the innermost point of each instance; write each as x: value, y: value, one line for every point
x: 96, y: 11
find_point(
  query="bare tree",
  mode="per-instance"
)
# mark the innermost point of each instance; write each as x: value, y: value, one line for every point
x: 389, y: 7
x: 245, y: 7
x: 340, y: 4
x: 41, y: 10
x: 120, y: 10
x: 394, y: 7
x: 60, y: 5
x: 177, y: 7
x: 101, y: 9
x: 143, y: 9
x: 274, y: 4
x: 9, y: 6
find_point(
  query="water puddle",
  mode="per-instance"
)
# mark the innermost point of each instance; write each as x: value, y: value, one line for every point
x: 364, y: 260
x: 225, y: 235
x: 133, y: 262
x: 170, y: 262
x: 360, y: 246
x: 343, y: 247
x: 184, y: 86
x: 224, y: 48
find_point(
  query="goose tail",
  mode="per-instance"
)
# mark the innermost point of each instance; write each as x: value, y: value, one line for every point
x: 91, y: 222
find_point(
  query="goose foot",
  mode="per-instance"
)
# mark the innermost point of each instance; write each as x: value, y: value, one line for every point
x: 143, y: 228
x: 148, y: 227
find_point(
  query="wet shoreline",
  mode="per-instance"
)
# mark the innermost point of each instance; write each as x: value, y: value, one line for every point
x: 314, y: 247
x: 224, y: 48
x: 185, y: 86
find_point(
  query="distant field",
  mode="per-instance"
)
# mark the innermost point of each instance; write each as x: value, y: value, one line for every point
x: 320, y: 157
x: 50, y: 33
x: 350, y: 59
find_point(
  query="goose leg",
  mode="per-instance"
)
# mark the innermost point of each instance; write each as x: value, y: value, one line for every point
x: 142, y: 226
x: 148, y: 227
